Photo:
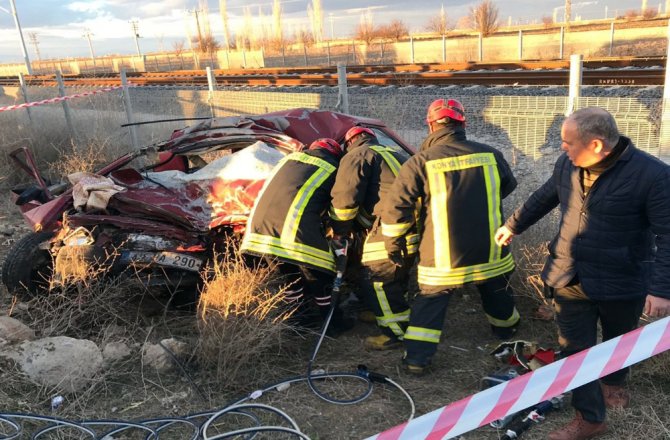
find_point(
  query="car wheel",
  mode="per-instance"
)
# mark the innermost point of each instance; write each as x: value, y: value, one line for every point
x: 28, y: 268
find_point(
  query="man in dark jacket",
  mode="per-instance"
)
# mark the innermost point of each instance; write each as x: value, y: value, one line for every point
x: 364, y: 176
x: 458, y: 186
x: 613, y: 200
x: 286, y: 224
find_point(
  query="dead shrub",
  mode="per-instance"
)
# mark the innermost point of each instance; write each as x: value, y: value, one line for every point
x: 85, y: 304
x: 86, y: 158
x: 241, y: 321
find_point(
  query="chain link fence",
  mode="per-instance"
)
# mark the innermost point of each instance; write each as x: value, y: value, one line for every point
x: 526, y: 128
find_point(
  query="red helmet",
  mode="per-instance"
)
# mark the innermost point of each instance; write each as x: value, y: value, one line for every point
x: 328, y: 144
x: 355, y: 131
x: 443, y: 108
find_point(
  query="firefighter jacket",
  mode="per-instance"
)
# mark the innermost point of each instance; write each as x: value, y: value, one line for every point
x: 364, y: 176
x: 286, y: 220
x: 460, y: 185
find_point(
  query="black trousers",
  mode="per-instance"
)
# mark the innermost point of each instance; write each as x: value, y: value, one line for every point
x: 577, y: 317
x: 429, y: 310
x: 315, y: 284
x: 384, y: 288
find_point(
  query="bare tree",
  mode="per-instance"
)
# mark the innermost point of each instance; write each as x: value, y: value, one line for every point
x: 438, y: 24
x: 315, y: 14
x: 464, y: 22
x: 304, y: 37
x: 277, y: 31
x: 396, y: 30
x: 224, y: 19
x: 485, y: 17
x: 365, y: 31
x: 178, y: 48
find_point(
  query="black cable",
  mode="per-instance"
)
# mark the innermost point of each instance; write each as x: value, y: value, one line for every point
x: 183, y: 370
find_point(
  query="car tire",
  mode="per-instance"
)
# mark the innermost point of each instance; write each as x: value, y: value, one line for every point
x: 27, y: 268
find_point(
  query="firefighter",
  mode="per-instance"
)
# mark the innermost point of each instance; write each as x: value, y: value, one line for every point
x: 364, y: 176
x: 459, y: 185
x: 285, y: 225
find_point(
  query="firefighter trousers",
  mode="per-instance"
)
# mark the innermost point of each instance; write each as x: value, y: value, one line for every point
x: 384, y: 288
x: 429, y: 311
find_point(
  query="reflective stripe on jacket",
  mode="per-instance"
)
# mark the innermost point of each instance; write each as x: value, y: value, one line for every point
x: 286, y: 219
x: 460, y: 185
x: 365, y: 174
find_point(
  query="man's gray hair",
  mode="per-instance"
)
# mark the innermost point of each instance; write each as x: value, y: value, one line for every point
x: 596, y: 123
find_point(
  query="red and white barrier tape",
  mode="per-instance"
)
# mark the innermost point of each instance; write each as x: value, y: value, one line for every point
x: 531, y: 388
x: 59, y: 99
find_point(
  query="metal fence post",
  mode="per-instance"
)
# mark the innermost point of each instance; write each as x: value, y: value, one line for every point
x: 304, y: 51
x: 561, y: 41
x: 444, y: 48
x: 244, y: 58
x: 520, y: 45
x: 353, y: 52
x: 66, y: 106
x: 611, y: 38
x: 381, y: 47
x: 129, y: 109
x: 411, y: 49
x: 24, y: 92
x: 211, y: 85
x: 576, y: 65
x: 481, y: 47
x: 328, y: 51
x: 343, y: 96
x: 664, y: 135
x: 283, y: 56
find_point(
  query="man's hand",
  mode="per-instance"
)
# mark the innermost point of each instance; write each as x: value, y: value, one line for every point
x: 656, y: 307
x: 503, y: 236
x: 396, y: 248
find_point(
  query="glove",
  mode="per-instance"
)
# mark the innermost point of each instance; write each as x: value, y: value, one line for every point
x: 340, y: 244
x: 396, y: 248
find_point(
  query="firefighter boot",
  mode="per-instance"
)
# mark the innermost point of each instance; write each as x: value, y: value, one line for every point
x: 578, y: 429
x: 413, y: 367
x: 382, y: 342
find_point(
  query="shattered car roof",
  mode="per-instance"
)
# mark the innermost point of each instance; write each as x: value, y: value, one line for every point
x: 294, y: 128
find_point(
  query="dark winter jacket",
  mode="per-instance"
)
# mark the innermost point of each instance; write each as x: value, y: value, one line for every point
x: 460, y: 185
x: 606, y: 239
x: 286, y: 221
x: 365, y: 174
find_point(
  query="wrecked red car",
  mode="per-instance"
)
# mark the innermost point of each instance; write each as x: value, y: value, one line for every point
x: 164, y: 220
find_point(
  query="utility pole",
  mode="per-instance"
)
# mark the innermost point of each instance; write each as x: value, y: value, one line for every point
x: 135, y: 26
x: 196, y: 12
x: 568, y: 12
x: 332, y: 18
x: 18, y: 28
x: 35, y: 43
x: 88, y: 35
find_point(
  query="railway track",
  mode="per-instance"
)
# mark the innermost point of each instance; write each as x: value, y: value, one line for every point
x: 606, y: 71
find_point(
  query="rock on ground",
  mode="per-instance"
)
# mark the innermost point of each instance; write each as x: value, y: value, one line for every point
x: 115, y: 352
x: 13, y: 331
x: 156, y: 356
x: 64, y: 363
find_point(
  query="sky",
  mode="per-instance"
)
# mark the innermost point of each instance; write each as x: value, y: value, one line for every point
x: 59, y: 26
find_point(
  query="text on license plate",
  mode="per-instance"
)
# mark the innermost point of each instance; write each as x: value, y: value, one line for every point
x: 171, y: 259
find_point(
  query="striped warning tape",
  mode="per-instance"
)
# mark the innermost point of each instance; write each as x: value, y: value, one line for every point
x: 531, y: 388
x: 59, y: 99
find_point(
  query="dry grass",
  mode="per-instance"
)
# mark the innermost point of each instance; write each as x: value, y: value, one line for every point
x: 241, y: 322
x: 86, y: 158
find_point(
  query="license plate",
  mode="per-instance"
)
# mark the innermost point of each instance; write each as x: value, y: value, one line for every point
x: 170, y: 259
